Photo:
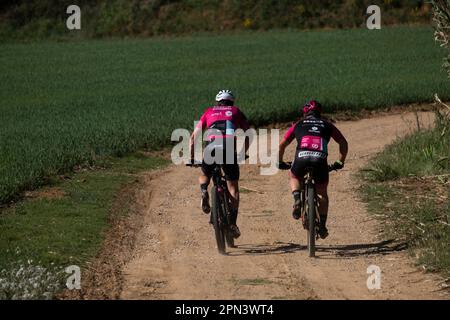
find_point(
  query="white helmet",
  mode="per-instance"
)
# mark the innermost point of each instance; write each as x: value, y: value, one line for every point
x: 225, y: 95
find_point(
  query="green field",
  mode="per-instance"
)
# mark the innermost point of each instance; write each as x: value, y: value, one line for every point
x: 70, y: 103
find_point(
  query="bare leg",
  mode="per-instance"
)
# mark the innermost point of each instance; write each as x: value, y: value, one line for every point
x: 203, y: 179
x: 296, y: 188
x: 204, y: 183
x: 322, y: 195
x: 233, y: 188
x: 296, y: 184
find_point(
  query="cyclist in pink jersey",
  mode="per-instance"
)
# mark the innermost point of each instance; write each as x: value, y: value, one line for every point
x: 313, y: 134
x: 221, y: 121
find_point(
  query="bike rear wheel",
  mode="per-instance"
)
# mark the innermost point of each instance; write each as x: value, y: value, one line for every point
x: 226, y: 228
x: 216, y: 215
x: 311, y: 220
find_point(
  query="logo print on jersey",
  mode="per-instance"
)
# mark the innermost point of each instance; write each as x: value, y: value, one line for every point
x: 228, y: 113
x: 311, y: 143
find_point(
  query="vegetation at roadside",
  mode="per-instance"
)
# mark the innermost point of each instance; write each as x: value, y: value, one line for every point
x: 38, y: 19
x: 68, y: 104
x: 441, y: 21
x: 61, y: 225
x: 408, y: 187
x: 424, y: 153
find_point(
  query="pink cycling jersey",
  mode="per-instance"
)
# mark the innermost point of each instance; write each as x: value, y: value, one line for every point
x: 224, y: 118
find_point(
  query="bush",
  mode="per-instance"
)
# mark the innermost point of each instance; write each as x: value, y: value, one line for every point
x: 103, y: 18
x: 441, y: 19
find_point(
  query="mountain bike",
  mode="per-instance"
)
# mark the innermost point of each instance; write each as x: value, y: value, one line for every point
x: 309, y: 212
x: 220, y: 209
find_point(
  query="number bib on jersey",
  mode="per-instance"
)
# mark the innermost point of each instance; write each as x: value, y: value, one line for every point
x: 312, y: 154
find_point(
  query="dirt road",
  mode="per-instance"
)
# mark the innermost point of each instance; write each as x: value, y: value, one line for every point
x: 176, y: 256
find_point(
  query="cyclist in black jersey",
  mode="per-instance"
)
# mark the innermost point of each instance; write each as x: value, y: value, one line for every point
x: 313, y: 134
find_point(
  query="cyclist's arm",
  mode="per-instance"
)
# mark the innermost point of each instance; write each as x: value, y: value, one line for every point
x: 282, y: 148
x: 244, y: 125
x: 287, y: 139
x: 343, y: 144
x: 197, y: 131
x: 194, y: 137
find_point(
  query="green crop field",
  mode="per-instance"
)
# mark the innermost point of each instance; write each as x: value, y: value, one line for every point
x: 69, y: 103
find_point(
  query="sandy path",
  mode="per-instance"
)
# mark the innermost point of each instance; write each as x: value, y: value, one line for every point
x: 176, y: 257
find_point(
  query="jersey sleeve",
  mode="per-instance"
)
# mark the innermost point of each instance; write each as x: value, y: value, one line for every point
x: 289, y: 136
x: 336, y: 134
x: 202, y: 122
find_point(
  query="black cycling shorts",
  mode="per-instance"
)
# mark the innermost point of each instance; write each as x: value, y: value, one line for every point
x: 319, y: 165
x: 231, y: 171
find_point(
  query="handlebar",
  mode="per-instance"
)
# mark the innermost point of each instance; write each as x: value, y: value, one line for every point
x: 194, y: 164
x: 287, y: 166
x: 335, y: 166
x: 284, y: 165
x: 332, y: 168
x: 189, y: 165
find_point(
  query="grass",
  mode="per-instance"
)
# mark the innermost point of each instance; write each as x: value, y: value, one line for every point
x: 253, y: 282
x: 70, y: 103
x: 407, y: 186
x: 245, y: 190
x: 420, y: 154
x: 63, y: 223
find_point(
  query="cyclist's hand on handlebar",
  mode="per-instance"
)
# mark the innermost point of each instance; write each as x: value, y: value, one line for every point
x: 338, y: 165
x: 193, y: 163
x: 283, y: 165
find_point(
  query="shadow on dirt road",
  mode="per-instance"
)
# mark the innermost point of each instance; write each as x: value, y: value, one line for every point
x: 331, y: 251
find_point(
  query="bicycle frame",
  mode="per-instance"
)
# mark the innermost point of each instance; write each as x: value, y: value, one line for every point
x: 223, y: 216
x: 221, y: 185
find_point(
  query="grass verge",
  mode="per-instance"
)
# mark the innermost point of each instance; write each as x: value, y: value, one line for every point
x: 62, y: 224
x: 407, y: 186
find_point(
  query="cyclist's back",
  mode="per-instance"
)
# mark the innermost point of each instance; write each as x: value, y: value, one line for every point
x: 225, y: 119
x: 312, y: 135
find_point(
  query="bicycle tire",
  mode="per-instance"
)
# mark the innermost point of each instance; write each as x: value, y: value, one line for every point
x: 216, y: 220
x: 311, y: 234
x: 228, y: 236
